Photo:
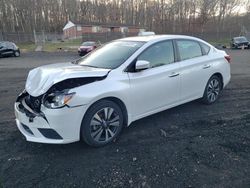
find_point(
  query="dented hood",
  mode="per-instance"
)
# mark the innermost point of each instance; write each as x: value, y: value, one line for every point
x: 42, y: 78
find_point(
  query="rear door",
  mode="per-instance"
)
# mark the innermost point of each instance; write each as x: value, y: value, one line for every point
x: 195, y: 68
x: 158, y: 86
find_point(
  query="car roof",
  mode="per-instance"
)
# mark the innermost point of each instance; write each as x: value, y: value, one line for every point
x: 153, y: 38
x: 239, y: 37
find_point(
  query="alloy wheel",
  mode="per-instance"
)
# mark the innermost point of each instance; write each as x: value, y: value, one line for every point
x: 104, y: 124
x: 17, y: 54
x: 213, y: 90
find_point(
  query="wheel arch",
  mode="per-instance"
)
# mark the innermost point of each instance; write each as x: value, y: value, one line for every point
x: 121, y: 105
x: 204, y: 97
x: 116, y: 100
x: 221, y: 78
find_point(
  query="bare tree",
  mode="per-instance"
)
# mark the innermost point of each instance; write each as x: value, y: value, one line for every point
x: 162, y: 16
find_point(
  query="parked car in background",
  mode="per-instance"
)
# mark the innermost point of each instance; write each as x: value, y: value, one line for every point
x: 87, y: 47
x: 146, y: 33
x: 9, y: 49
x: 240, y: 42
x: 94, y: 97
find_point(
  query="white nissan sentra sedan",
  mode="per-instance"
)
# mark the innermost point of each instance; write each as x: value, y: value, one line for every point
x: 94, y: 97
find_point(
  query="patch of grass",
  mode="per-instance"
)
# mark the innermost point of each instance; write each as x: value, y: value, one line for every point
x: 225, y: 41
x: 52, y: 46
x: 73, y: 41
x: 26, y: 46
x: 66, y: 45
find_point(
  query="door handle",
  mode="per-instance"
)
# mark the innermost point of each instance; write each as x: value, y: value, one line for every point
x: 174, y: 74
x: 206, y: 66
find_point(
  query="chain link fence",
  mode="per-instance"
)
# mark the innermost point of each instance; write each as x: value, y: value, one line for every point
x: 208, y: 36
x: 105, y: 37
x: 35, y: 37
x: 40, y: 38
x: 17, y: 37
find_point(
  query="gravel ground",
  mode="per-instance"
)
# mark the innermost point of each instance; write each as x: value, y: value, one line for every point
x: 192, y: 145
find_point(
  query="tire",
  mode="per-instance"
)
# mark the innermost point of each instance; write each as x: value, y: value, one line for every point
x: 213, y: 90
x: 16, y: 53
x: 102, y: 123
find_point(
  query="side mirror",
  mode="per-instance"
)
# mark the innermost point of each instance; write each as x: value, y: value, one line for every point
x: 142, y: 65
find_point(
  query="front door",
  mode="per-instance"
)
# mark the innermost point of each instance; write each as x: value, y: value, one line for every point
x: 158, y: 86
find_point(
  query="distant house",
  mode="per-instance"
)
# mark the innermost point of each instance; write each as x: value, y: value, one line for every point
x: 75, y: 30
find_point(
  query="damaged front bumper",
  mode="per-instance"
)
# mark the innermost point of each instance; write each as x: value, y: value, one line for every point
x: 52, y: 126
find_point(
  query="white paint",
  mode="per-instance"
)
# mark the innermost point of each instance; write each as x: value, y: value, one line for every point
x: 42, y: 78
x: 143, y: 93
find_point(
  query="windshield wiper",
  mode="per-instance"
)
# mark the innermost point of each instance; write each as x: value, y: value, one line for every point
x: 89, y: 66
x: 77, y: 61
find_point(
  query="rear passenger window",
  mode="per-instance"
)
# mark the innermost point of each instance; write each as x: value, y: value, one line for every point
x: 205, y: 48
x: 188, y: 49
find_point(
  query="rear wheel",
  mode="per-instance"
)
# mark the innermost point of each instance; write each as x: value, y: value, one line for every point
x: 102, y: 123
x: 212, y: 90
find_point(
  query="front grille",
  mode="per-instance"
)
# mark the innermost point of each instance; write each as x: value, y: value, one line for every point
x: 245, y: 44
x: 34, y: 102
x: 24, y: 99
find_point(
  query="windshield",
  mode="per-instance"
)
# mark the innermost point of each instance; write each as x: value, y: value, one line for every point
x: 240, y: 39
x: 111, y: 55
x: 88, y: 43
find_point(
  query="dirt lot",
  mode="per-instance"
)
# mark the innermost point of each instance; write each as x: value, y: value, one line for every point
x: 192, y: 145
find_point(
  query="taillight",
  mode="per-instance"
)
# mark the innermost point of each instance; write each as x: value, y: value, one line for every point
x: 228, y: 58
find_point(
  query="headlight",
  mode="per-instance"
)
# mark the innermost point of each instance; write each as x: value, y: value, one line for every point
x: 57, y: 100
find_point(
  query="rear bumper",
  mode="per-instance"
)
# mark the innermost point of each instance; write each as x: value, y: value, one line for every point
x: 226, y: 74
x: 226, y: 80
x: 56, y: 126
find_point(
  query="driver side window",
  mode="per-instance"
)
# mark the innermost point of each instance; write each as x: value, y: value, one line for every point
x: 158, y: 54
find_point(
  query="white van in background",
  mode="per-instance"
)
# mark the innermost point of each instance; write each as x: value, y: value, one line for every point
x: 146, y: 33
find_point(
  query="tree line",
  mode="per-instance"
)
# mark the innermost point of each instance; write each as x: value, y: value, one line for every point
x: 161, y: 16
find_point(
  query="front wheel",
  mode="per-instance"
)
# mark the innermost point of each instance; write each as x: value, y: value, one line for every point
x: 16, y: 53
x: 212, y: 90
x: 102, y: 123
